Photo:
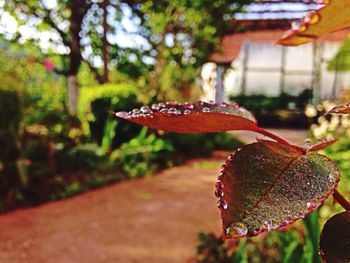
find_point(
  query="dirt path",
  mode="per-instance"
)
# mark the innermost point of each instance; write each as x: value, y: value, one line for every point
x: 146, y: 220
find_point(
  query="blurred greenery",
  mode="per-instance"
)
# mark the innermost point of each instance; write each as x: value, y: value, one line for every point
x: 341, y: 61
x: 284, y: 110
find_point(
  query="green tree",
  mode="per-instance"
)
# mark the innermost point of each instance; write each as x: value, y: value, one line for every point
x: 181, y: 35
x: 78, y: 31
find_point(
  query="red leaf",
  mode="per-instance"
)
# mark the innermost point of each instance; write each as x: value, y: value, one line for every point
x: 341, y: 109
x: 267, y: 185
x: 335, y: 239
x: 321, y: 145
x: 332, y: 17
x: 192, y: 118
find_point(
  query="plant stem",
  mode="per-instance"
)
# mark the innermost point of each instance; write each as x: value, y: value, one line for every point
x: 278, y: 139
x: 341, y: 200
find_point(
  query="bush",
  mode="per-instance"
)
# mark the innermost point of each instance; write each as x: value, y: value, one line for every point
x: 200, y: 144
x: 95, y: 106
x: 283, y: 110
x: 142, y: 154
x: 11, y: 108
x: 298, y: 243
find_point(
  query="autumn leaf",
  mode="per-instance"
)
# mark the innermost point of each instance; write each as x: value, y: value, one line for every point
x: 193, y: 117
x: 334, y: 16
x: 341, y: 109
x: 267, y: 185
x: 335, y: 239
x: 321, y: 145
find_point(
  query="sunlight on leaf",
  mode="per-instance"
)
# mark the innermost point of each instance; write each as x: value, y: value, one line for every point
x: 332, y: 17
x: 192, y: 117
x: 335, y: 239
x: 267, y: 185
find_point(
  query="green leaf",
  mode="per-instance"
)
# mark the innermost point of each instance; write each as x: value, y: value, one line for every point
x: 267, y: 185
x: 335, y: 239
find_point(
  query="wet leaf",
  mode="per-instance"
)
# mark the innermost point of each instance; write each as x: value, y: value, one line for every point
x: 193, y: 117
x: 341, y: 109
x: 331, y: 17
x: 267, y: 185
x: 335, y: 239
x: 321, y: 145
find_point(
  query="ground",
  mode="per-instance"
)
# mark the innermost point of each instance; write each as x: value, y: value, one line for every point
x: 153, y: 219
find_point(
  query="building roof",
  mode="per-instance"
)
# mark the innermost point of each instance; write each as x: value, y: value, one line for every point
x: 231, y: 44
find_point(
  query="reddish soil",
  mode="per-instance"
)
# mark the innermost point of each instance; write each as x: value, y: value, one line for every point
x: 153, y: 219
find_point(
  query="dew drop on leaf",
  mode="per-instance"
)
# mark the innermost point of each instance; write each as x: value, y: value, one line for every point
x: 219, y: 193
x: 206, y: 109
x: 270, y: 225
x: 312, y: 18
x: 122, y: 114
x: 312, y: 205
x: 145, y: 110
x: 236, y: 230
x: 187, y: 112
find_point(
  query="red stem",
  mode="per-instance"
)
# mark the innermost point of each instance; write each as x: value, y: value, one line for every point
x: 341, y: 200
x: 279, y: 139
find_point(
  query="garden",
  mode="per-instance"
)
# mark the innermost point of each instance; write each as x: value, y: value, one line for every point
x: 117, y: 144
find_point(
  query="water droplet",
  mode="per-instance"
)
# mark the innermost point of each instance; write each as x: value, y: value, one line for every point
x: 237, y: 230
x: 308, y: 143
x: 224, y: 205
x: 219, y: 193
x: 220, y: 176
x: 223, y: 167
x: 136, y: 111
x: 270, y: 225
x: 219, y: 185
x: 311, y: 205
x: 164, y: 110
x: 206, y: 109
x: 187, y: 112
x: 172, y: 110
x: 330, y: 178
x: 122, y: 114
x: 161, y: 105
x: 230, y: 158
x: 296, y: 25
x: 155, y: 107
x: 312, y: 18
x: 145, y: 110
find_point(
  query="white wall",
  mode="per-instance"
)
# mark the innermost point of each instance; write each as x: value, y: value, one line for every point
x: 268, y: 55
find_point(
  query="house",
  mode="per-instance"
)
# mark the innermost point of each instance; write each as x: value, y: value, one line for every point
x: 251, y: 63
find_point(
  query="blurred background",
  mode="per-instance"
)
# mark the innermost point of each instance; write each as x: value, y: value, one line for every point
x: 144, y: 195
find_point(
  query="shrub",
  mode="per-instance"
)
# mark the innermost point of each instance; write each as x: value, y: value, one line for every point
x: 11, y: 112
x: 95, y: 104
x: 200, y: 144
x: 142, y: 154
